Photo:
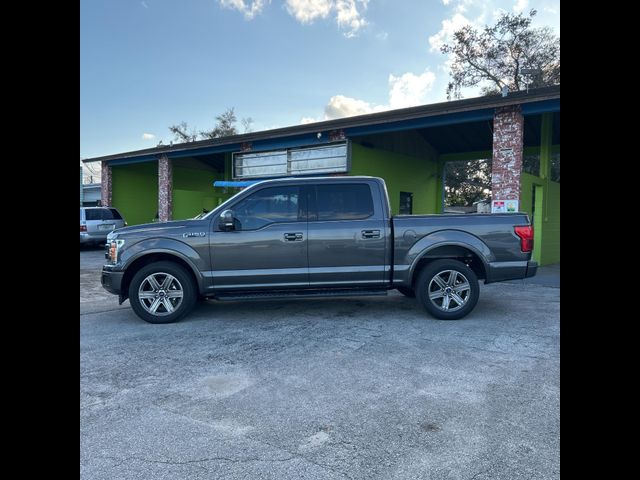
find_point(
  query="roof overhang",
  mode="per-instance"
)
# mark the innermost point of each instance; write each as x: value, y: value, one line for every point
x: 438, y: 114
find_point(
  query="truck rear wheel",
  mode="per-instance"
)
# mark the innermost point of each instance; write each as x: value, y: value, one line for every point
x: 162, y: 292
x: 448, y: 289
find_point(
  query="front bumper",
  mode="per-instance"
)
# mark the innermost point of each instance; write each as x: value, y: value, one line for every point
x: 111, y: 280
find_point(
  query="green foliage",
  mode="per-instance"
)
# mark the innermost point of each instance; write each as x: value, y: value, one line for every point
x: 467, y: 182
x: 495, y: 56
x: 225, y: 126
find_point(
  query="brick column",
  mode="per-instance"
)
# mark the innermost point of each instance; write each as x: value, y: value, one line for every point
x: 105, y: 184
x: 165, y: 189
x: 508, y: 131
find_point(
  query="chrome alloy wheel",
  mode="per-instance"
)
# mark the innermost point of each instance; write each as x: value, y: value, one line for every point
x: 160, y: 294
x: 449, y: 290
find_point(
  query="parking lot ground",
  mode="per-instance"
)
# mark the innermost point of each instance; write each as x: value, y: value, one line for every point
x: 355, y: 388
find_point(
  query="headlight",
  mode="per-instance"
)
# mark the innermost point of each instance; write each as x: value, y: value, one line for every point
x: 114, y: 247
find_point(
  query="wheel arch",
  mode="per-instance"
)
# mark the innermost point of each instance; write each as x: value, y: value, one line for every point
x: 135, y: 264
x: 464, y: 253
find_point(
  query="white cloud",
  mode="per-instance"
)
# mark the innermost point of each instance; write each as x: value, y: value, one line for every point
x: 306, y: 11
x: 148, y: 136
x: 348, y: 13
x: 520, y: 5
x: 406, y: 90
x: 449, y: 26
x: 249, y: 8
x: 446, y: 2
x: 348, y: 16
x: 382, y: 36
x: 340, y: 106
x: 463, y: 5
x: 409, y: 89
x: 144, y: 4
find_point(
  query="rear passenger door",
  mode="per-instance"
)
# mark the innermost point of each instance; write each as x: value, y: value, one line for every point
x: 346, y: 236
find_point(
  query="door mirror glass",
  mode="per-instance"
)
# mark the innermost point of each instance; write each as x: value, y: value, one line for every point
x: 226, y: 221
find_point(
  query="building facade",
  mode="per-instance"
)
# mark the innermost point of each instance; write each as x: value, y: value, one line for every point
x: 409, y: 148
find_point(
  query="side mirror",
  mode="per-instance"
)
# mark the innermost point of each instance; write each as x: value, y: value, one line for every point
x: 226, y: 221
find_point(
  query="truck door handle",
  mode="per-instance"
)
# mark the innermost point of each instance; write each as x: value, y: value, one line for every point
x: 370, y: 233
x: 293, y: 237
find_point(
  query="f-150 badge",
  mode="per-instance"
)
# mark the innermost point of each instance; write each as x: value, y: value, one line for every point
x: 194, y: 234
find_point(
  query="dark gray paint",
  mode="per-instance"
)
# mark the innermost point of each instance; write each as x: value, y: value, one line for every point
x: 325, y: 254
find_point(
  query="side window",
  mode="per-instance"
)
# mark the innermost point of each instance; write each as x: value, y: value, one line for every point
x: 344, y: 202
x: 269, y: 205
x: 115, y: 214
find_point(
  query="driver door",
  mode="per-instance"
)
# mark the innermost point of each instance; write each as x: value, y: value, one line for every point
x: 267, y: 249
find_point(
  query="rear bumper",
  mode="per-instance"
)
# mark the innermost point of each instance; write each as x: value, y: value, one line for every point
x: 532, y: 269
x: 502, y: 271
x: 111, y: 281
x: 93, y: 238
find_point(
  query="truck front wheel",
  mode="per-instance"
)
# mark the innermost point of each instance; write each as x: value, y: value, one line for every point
x: 448, y: 289
x: 162, y: 292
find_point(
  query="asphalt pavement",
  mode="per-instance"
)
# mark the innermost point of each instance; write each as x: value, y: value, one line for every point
x: 353, y: 388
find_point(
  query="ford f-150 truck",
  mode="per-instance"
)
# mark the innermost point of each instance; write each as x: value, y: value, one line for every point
x: 312, y: 237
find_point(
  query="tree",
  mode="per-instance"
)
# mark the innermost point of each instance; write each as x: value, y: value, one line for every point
x: 246, y: 124
x: 180, y: 133
x: 224, y: 127
x: 467, y: 182
x: 496, y: 56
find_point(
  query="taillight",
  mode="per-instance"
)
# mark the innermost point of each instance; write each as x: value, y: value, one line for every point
x: 525, y: 233
x: 83, y: 228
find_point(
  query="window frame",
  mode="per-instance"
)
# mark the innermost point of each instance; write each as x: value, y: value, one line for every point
x: 312, y: 207
x: 291, y: 151
x: 302, y: 207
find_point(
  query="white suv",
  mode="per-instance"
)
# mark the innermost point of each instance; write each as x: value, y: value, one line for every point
x: 97, y: 222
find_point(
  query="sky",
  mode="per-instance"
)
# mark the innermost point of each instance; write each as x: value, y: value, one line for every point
x: 146, y: 65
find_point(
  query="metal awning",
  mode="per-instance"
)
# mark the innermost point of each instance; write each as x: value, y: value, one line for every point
x: 238, y: 184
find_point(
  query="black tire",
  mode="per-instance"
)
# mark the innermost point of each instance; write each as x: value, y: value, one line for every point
x: 443, y: 293
x: 407, y: 292
x: 163, y: 299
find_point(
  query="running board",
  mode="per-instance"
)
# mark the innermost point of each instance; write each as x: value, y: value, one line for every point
x: 268, y: 295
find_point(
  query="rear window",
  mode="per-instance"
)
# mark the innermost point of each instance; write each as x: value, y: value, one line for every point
x: 102, y: 214
x: 344, y: 202
x: 112, y: 214
x: 93, y: 214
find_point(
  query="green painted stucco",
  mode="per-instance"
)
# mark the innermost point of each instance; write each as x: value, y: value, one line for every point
x: 401, y: 173
x: 193, y: 190
x: 135, y: 191
x: 546, y: 222
x: 546, y: 217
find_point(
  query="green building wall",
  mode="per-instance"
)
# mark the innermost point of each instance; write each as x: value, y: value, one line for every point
x: 402, y: 173
x: 546, y: 224
x: 193, y: 191
x: 135, y: 191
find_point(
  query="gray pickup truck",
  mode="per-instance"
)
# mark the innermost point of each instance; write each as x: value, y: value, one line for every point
x: 312, y: 237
